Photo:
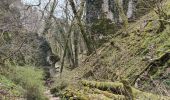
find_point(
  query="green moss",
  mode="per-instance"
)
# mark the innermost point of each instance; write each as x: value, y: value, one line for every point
x: 152, y: 26
x: 29, y: 78
x: 10, y: 87
x: 72, y: 94
x: 103, y: 26
x: 119, y: 90
x: 128, y: 56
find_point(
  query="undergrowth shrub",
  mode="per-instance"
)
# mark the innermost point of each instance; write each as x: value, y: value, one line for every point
x: 57, y: 88
x: 30, y: 79
x: 9, y: 88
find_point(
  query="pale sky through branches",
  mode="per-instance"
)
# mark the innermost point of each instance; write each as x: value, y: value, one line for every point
x: 59, y: 6
x: 37, y: 1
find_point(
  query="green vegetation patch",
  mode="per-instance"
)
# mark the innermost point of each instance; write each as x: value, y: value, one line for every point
x: 8, y: 87
x: 28, y: 78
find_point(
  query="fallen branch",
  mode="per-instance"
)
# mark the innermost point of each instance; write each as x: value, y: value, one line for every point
x: 120, y: 88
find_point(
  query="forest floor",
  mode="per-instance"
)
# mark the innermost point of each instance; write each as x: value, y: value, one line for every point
x: 48, y: 94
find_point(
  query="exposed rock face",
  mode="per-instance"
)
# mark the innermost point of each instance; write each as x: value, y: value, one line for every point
x: 94, y: 10
x: 34, y: 50
x: 99, y: 8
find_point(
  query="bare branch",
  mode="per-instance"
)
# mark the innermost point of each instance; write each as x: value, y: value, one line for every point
x: 29, y: 6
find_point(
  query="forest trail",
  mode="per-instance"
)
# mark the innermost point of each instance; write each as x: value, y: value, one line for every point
x: 50, y: 96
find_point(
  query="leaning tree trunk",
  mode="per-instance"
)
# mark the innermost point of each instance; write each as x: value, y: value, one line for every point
x: 86, y: 38
x: 76, y: 40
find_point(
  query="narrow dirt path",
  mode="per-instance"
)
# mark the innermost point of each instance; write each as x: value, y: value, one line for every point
x: 50, y: 96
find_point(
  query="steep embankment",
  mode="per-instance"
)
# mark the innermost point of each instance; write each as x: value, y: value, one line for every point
x: 142, y: 56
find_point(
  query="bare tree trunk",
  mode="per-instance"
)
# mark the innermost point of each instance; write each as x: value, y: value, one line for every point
x: 76, y: 40
x: 70, y: 54
x: 65, y: 48
x: 87, y: 40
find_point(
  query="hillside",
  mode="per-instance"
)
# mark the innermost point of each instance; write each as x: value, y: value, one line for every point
x: 141, y: 56
x: 85, y: 50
